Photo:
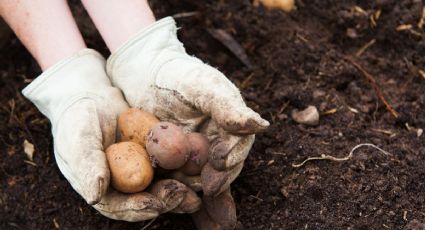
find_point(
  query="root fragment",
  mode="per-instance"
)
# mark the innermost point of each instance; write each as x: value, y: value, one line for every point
x: 372, y: 81
x: 332, y: 158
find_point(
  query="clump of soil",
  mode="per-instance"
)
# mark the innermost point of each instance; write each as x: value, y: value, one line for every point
x: 297, y: 61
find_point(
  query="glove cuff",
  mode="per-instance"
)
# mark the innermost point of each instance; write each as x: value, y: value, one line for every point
x: 145, y: 47
x: 82, y: 72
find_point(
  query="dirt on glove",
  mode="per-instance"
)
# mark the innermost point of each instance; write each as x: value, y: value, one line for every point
x: 297, y: 60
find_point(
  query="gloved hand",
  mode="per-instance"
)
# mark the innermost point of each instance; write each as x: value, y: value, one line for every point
x: 156, y: 74
x: 77, y: 97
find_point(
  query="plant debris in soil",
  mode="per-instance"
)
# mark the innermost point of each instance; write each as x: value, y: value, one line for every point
x: 297, y: 60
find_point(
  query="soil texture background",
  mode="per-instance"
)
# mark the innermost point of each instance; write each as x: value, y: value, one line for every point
x: 297, y: 59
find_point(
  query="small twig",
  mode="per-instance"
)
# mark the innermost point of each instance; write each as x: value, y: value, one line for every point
x: 185, y: 14
x: 365, y: 47
x: 332, y: 158
x: 148, y: 224
x: 372, y: 81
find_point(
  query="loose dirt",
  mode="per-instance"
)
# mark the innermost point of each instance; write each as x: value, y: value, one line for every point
x: 298, y: 60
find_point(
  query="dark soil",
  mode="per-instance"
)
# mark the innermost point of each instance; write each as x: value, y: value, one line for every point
x: 298, y: 61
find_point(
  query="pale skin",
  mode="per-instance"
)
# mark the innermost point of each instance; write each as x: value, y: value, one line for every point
x: 49, y: 32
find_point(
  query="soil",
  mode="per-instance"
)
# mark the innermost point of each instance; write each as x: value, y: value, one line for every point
x: 298, y: 60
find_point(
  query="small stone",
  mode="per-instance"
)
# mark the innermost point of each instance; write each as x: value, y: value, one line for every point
x: 308, y: 116
x: 318, y: 93
x: 351, y: 33
x: 282, y: 116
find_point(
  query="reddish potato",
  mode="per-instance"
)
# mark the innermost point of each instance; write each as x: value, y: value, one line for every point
x: 199, y: 146
x: 167, y: 145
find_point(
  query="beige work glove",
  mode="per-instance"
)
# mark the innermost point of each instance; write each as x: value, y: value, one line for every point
x: 157, y: 75
x: 82, y: 106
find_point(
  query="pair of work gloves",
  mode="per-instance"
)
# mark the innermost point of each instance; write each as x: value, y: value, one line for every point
x: 83, y: 99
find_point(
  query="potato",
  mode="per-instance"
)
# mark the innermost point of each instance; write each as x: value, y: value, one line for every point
x: 131, y: 169
x: 285, y: 5
x: 134, y: 125
x: 167, y: 145
x: 199, y: 146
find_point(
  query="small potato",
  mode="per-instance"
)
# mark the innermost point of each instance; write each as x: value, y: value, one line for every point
x: 198, y: 157
x: 134, y: 125
x: 285, y: 5
x: 131, y: 169
x: 167, y: 145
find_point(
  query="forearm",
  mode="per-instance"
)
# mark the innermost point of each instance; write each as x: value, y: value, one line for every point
x: 119, y: 20
x: 45, y: 27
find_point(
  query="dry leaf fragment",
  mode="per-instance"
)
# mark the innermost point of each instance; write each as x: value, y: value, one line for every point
x: 374, y: 17
x: 228, y: 41
x: 29, y: 149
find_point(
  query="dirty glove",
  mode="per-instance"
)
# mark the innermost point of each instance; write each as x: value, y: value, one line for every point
x: 216, y: 213
x: 77, y: 97
x: 157, y: 75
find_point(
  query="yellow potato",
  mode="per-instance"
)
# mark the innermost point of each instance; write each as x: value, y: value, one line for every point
x: 134, y: 125
x: 131, y: 169
x: 285, y: 5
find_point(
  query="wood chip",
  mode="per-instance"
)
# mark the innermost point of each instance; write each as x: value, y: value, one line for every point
x: 374, y: 17
x: 29, y: 149
x: 422, y: 73
x: 422, y: 20
x: 404, y: 27
x: 359, y: 10
x: 55, y: 222
x: 270, y: 162
x: 354, y: 110
x: 330, y: 111
x: 419, y: 132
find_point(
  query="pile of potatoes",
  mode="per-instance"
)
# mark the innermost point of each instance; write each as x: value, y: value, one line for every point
x: 145, y: 143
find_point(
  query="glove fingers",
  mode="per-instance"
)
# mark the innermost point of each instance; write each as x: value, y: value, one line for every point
x: 242, y: 120
x: 193, y: 182
x: 215, y: 182
x: 79, y: 152
x: 202, y: 89
x: 221, y: 209
x: 170, y: 192
x: 130, y: 207
x: 229, y: 150
x: 190, y: 204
